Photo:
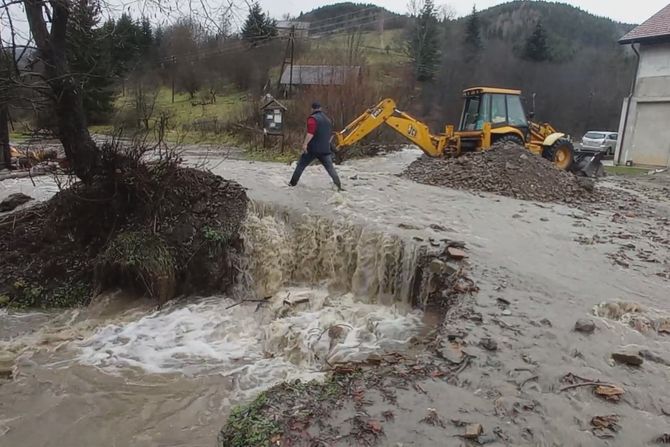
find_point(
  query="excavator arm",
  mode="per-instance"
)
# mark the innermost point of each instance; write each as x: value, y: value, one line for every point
x: 386, y: 113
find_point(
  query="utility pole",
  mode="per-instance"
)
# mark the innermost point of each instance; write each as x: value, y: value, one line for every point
x: 292, y: 41
x: 289, y: 54
x: 172, y: 70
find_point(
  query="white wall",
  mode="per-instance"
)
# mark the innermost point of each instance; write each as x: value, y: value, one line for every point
x: 654, y: 60
x: 651, y: 100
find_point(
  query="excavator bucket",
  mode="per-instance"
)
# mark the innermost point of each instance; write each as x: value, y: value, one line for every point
x: 588, y: 164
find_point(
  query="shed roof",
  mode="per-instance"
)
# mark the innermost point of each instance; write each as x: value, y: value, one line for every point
x: 656, y: 28
x: 288, y: 24
x: 319, y: 74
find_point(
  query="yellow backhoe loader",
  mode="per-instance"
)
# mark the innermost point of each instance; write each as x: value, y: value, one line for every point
x: 490, y: 115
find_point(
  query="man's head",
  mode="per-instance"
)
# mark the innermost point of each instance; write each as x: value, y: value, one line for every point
x: 316, y: 106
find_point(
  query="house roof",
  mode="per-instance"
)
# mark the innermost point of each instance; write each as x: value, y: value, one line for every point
x: 270, y: 100
x: 288, y: 24
x: 654, y: 29
x: 319, y: 74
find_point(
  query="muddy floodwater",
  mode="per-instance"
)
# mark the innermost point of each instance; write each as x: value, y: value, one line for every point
x: 123, y: 373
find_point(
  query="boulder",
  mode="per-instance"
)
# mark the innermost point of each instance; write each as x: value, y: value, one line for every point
x: 13, y: 201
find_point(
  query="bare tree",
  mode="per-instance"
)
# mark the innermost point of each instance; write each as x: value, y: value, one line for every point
x: 79, y: 147
x: 6, y: 160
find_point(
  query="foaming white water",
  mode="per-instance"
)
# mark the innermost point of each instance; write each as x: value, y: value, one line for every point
x: 298, y: 333
x: 283, y: 248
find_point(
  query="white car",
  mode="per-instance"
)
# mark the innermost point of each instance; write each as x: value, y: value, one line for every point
x: 602, y: 141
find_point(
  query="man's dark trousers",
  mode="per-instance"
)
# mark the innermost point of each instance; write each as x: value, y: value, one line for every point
x: 326, y: 160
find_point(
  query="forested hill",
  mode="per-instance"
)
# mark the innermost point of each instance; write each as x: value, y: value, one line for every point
x: 569, y: 58
x: 568, y: 28
x: 347, y: 12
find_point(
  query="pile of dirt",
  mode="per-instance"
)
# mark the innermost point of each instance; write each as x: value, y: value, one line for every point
x: 158, y: 228
x: 507, y: 169
x: 365, y: 151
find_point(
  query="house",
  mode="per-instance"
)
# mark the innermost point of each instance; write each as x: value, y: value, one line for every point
x: 644, y: 130
x: 318, y: 75
x: 300, y: 29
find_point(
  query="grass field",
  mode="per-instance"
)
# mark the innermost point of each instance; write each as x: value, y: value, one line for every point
x: 625, y: 170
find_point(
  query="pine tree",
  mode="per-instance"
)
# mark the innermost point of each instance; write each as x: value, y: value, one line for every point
x: 472, y: 41
x: 422, y: 43
x: 537, y: 49
x: 258, y: 26
x: 89, y: 60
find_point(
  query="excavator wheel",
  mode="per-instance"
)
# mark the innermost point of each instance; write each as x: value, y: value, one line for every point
x: 511, y: 138
x: 561, y: 153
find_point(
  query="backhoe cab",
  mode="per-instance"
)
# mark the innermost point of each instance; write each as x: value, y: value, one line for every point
x: 490, y: 115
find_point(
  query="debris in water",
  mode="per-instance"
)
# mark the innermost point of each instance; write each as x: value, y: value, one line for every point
x: 456, y: 253
x: 473, y: 431
x: 14, y: 201
x: 609, y: 392
x: 585, y: 326
x: 627, y: 358
x: 489, y: 344
x: 605, y: 426
x: 605, y: 390
x: 432, y: 418
x: 375, y: 426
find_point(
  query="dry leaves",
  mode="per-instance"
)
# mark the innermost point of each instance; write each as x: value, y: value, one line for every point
x: 609, y: 392
x: 605, y: 426
x: 375, y: 426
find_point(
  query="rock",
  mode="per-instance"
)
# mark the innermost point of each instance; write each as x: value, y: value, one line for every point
x: 627, y: 358
x: 489, y: 344
x: 6, y: 373
x: 546, y: 322
x: 13, y: 201
x: 472, y: 431
x: 507, y: 169
x: 486, y: 439
x: 544, y: 219
x: 437, y: 266
x: 585, y: 326
x: 586, y: 184
x: 6, y: 368
x: 664, y: 326
x: 452, y: 352
x: 456, y: 253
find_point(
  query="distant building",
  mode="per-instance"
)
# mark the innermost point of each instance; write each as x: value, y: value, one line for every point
x: 644, y: 131
x: 284, y: 28
x: 319, y: 75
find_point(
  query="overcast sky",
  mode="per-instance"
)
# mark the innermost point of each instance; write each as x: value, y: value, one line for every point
x: 630, y: 11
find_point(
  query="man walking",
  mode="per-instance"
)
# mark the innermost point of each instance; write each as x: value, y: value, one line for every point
x: 317, y: 146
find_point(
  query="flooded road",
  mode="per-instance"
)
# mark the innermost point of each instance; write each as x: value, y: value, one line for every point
x: 139, y: 376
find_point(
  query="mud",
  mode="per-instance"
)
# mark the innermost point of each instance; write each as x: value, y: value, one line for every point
x: 536, y: 279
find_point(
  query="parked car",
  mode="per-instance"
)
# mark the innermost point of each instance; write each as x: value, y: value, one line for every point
x: 602, y: 141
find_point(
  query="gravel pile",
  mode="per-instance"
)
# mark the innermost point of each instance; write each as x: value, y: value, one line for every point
x: 508, y: 170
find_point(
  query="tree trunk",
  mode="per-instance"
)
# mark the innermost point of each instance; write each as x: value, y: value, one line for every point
x: 80, y: 149
x: 6, y: 160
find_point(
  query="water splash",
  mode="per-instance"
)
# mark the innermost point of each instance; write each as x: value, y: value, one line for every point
x: 282, y: 248
x: 298, y: 333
